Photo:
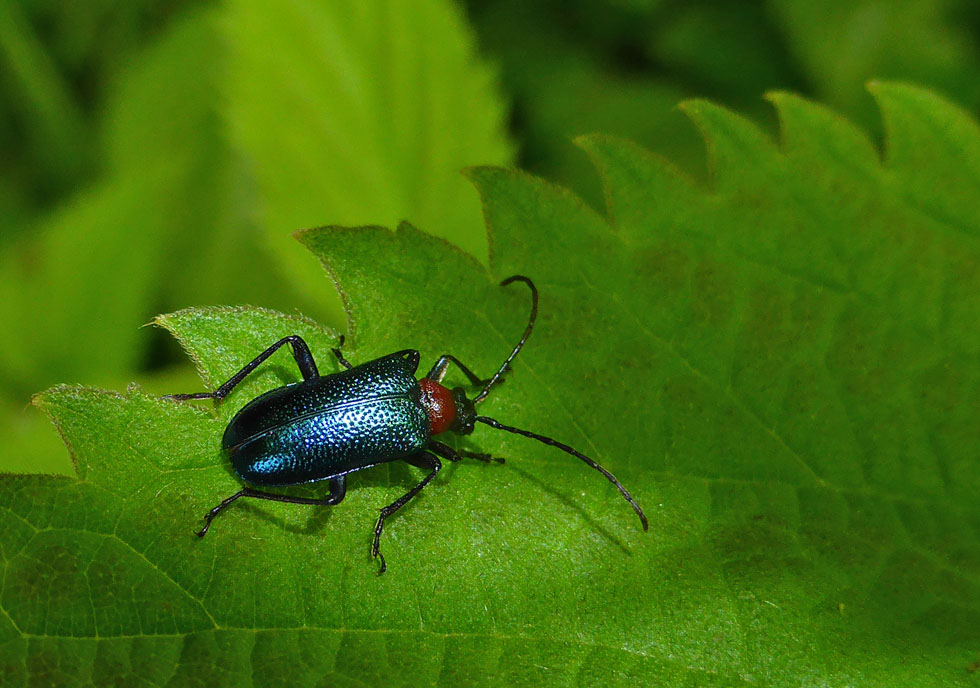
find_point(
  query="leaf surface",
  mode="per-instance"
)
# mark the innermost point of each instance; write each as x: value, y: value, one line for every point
x: 779, y: 367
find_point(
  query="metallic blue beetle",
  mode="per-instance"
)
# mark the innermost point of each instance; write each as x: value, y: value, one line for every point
x: 328, y: 426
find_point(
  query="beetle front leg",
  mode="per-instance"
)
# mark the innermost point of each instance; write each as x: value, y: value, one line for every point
x: 450, y: 454
x: 340, y: 357
x: 301, y: 352
x: 420, y: 460
x: 439, y: 370
x: 338, y: 489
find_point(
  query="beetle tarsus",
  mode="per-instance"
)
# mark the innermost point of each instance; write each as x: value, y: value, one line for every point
x: 208, y: 517
x: 187, y: 397
x: 438, y: 371
x: 338, y: 489
x: 480, y: 456
x: 376, y: 545
x: 340, y: 356
x: 340, y: 359
x: 500, y: 380
x: 450, y: 454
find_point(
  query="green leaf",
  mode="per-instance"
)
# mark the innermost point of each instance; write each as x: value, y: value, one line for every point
x: 839, y: 44
x: 780, y: 367
x: 49, y: 119
x: 732, y: 49
x: 361, y: 112
x: 89, y: 270
x: 561, y: 89
x: 210, y: 233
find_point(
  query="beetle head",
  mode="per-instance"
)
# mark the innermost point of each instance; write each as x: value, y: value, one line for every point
x: 465, y: 413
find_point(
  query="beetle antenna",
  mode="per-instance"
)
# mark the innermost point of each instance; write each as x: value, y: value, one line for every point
x: 527, y: 333
x: 577, y: 454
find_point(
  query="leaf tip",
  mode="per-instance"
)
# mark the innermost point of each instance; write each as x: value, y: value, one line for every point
x: 300, y: 235
x: 161, y: 320
x: 481, y: 173
x: 777, y: 95
x: 48, y: 397
x: 880, y: 88
x: 39, y: 399
x: 590, y: 142
x: 47, y: 401
x: 697, y: 109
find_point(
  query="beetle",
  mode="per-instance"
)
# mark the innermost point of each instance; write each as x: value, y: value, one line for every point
x: 329, y: 426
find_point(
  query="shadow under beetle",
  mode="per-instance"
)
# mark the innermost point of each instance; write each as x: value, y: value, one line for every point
x: 328, y: 426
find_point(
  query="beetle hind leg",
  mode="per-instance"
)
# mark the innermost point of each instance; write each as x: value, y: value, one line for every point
x: 338, y: 489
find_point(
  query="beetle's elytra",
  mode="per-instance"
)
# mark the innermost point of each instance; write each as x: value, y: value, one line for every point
x: 330, y: 425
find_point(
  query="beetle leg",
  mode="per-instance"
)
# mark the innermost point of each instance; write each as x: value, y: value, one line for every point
x: 340, y: 357
x: 439, y: 370
x: 338, y: 488
x: 421, y: 460
x: 301, y: 352
x: 450, y: 454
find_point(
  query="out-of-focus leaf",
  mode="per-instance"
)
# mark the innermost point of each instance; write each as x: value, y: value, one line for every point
x: 57, y: 61
x: 842, y: 43
x: 73, y: 301
x: 211, y: 234
x: 781, y: 367
x: 168, y: 223
x: 731, y: 49
x: 51, y: 121
x: 167, y: 213
x: 361, y: 112
x: 561, y: 91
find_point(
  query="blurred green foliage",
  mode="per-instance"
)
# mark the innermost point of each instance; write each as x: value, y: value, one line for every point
x: 155, y: 155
